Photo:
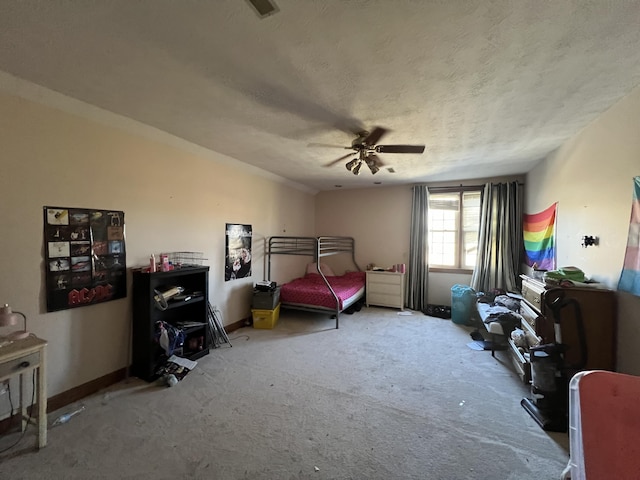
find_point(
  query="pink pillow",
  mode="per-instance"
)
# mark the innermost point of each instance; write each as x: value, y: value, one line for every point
x: 324, y: 268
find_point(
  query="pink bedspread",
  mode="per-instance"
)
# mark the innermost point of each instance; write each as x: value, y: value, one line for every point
x: 312, y: 290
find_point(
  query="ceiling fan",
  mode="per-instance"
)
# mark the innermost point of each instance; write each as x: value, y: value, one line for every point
x: 366, y: 148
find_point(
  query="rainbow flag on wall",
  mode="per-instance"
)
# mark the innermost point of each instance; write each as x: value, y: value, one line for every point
x: 539, y: 238
x: 630, y: 277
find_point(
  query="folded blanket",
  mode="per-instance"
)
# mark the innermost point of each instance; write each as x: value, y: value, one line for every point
x: 566, y: 273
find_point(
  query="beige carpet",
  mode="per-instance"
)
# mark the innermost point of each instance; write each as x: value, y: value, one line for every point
x: 384, y: 397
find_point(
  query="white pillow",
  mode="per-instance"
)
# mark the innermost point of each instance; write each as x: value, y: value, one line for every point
x: 324, y: 268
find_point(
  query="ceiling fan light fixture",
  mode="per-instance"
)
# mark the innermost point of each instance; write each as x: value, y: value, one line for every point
x: 350, y: 165
x: 264, y: 8
x: 372, y: 165
x: 366, y: 149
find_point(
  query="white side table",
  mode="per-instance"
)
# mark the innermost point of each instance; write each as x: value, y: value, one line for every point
x: 385, y: 289
x: 22, y: 357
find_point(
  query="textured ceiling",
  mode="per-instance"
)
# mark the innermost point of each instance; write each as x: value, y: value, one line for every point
x: 490, y: 87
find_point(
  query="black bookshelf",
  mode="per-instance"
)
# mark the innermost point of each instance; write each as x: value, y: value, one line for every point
x: 190, y: 307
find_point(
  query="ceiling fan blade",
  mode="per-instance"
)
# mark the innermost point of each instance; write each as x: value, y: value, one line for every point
x: 375, y: 135
x: 332, y: 163
x: 400, y: 148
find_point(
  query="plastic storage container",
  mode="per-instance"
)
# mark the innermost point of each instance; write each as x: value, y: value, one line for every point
x: 463, y: 300
x: 265, y: 300
x: 603, y: 426
x: 265, y: 318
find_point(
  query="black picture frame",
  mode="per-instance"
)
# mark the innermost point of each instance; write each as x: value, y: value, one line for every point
x: 85, y: 256
x: 237, y: 251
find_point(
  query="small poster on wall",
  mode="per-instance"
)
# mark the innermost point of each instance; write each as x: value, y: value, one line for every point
x: 85, y: 257
x: 238, y: 251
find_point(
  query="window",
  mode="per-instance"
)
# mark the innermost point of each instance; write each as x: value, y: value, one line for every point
x: 454, y: 220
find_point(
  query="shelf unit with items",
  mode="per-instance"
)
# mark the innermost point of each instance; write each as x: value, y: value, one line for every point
x: 157, y: 298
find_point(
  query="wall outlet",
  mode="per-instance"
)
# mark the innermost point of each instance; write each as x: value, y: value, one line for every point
x: 4, y: 388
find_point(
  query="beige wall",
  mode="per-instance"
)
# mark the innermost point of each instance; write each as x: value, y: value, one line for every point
x: 380, y: 220
x: 591, y: 178
x: 174, y: 198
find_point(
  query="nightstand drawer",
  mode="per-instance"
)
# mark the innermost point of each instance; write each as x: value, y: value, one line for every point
x: 384, y: 288
x: 17, y: 365
x: 386, y: 279
x: 383, y: 299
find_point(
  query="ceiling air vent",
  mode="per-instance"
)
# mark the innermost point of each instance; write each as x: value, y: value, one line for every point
x: 264, y: 8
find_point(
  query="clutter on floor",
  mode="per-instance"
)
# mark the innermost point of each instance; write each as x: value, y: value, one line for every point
x: 217, y: 333
x: 175, y: 369
x: 480, y: 344
x: 439, y: 311
x: 305, y: 395
x: 64, y: 418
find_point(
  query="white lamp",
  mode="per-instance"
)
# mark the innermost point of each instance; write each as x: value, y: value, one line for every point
x: 9, y: 318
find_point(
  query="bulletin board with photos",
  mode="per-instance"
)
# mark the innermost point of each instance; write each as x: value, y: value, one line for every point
x: 85, y: 257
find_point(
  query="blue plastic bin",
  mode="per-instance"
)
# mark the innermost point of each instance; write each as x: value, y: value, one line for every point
x: 463, y: 300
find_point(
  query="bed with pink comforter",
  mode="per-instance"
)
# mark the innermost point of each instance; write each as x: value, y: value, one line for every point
x: 311, y: 291
x: 318, y: 290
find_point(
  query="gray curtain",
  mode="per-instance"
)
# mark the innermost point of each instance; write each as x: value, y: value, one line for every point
x: 418, y: 268
x: 500, y: 238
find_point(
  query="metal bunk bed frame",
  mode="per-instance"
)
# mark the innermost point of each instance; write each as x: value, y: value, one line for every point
x: 316, y: 247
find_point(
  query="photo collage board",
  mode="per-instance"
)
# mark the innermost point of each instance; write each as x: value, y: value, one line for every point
x: 85, y: 257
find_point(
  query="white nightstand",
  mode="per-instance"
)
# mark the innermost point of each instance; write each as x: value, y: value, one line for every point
x: 19, y: 359
x: 385, y: 289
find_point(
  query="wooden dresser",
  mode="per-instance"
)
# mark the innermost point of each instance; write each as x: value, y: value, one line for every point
x: 596, y: 306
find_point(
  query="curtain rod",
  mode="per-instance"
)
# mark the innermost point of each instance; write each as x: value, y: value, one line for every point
x: 460, y: 187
